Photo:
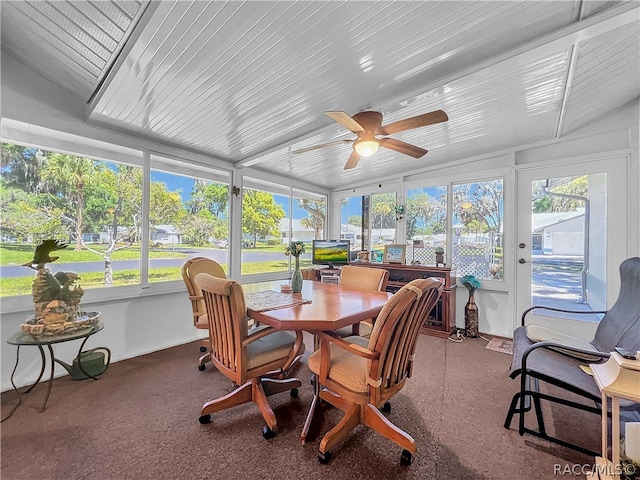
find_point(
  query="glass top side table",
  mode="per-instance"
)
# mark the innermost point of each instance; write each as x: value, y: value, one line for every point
x: 78, y: 370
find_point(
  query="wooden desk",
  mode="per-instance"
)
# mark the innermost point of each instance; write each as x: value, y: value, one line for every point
x: 332, y: 307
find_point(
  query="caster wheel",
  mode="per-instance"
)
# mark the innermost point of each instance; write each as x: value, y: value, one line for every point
x: 203, y: 349
x: 386, y: 408
x: 405, y: 458
x: 324, y: 458
x: 294, y: 393
x: 267, y: 433
x: 204, y: 419
x: 201, y: 368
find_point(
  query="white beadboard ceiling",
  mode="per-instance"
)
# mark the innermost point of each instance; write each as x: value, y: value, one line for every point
x: 248, y: 82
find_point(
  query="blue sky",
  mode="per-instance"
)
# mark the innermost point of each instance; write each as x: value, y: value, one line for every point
x: 185, y: 185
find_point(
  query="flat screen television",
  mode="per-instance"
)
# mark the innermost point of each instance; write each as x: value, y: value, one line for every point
x: 330, y: 252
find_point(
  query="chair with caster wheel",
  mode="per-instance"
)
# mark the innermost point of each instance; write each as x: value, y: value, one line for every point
x: 358, y: 375
x: 190, y: 269
x: 257, y: 359
x: 363, y: 278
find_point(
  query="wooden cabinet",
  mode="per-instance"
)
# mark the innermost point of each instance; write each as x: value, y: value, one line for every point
x: 442, y: 318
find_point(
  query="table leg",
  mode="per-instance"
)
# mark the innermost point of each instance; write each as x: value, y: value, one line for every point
x: 309, y: 419
x: 50, y: 382
x: 605, y: 440
x: 314, y: 402
x: 15, y: 367
x: 615, y: 431
x: 13, y: 383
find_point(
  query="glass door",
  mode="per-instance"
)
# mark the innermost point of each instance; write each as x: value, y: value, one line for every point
x: 571, y: 239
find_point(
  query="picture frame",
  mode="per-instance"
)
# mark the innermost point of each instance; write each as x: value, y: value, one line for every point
x: 394, y: 253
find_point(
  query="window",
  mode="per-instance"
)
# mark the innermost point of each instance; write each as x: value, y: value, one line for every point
x: 93, y: 204
x: 308, y: 220
x: 272, y: 216
x: 354, y: 223
x: 265, y: 216
x: 477, y: 229
x: 426, y: 227
x: 188, y: 216
x: 383, y: 223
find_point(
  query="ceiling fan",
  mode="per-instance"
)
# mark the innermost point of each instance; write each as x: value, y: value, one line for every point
x: 368, y: 127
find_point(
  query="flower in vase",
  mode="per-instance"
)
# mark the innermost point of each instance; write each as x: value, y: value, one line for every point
x: 471, y: 282
x: 294, y: 249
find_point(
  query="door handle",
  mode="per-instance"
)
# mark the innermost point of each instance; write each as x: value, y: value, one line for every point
x: 522, y: 260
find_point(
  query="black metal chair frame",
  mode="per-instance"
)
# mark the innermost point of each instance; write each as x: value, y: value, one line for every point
x: 559, y: 365
x: 521, y: 402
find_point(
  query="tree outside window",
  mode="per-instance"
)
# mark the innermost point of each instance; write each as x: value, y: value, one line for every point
x: 477, y: 227
x: 426, y: 223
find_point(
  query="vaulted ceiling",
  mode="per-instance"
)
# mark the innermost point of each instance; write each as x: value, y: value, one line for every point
x: 249, y: 82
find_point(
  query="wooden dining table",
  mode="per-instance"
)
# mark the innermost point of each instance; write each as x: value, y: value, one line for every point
x: 331, y: 307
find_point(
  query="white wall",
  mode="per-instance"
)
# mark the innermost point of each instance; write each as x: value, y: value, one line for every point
x: 133, y: 327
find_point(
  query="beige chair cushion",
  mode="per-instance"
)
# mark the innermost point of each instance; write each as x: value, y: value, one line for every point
x: 274, y: 346
x: 346, y: 368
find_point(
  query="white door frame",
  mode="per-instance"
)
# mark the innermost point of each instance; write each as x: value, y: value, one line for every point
x: 616, y: 169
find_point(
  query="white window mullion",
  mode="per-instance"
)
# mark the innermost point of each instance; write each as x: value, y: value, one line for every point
x: 144, y: 247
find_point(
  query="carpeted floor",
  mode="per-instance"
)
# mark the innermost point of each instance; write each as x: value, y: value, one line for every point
x: 140, y: 421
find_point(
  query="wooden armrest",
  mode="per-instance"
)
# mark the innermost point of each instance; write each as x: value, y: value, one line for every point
x: 555, y: 309
x: 258, y: 335
x: 350, y: 347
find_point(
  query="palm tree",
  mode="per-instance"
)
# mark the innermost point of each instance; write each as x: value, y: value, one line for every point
x: 70, y: 176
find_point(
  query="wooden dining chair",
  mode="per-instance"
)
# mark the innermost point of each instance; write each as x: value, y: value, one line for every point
x: 190, y: 269
x: 258, y: 359
x: 363, y: 278
x: 359, y: 375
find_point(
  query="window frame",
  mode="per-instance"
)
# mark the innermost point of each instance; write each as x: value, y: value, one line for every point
x: 28, y: 135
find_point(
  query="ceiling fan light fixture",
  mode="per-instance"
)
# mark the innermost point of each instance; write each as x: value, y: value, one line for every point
x: 366, y: 147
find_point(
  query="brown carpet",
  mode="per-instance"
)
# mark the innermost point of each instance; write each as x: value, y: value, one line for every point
x: 140, y: 421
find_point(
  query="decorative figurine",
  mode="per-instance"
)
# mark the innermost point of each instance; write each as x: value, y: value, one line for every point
x: 56, y: 298
x: 439, y: 256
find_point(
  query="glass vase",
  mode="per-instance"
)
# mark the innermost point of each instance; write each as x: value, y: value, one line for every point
x: 296, y: 278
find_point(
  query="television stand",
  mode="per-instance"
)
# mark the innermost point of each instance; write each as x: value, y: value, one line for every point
x: 326, y: 271
x: 441, y: 320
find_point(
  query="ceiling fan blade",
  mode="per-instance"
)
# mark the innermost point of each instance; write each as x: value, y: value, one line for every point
x: 346, y: 121
x: 402, y: 147
x: 414, y: 122
x: 322, y: 145
x: 353, y: 160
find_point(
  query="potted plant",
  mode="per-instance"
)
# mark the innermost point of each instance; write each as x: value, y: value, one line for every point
x: 295, y: 249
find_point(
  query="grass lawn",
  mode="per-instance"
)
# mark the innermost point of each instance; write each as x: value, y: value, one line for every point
x: 19, y: 253
x: 22, y: 285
